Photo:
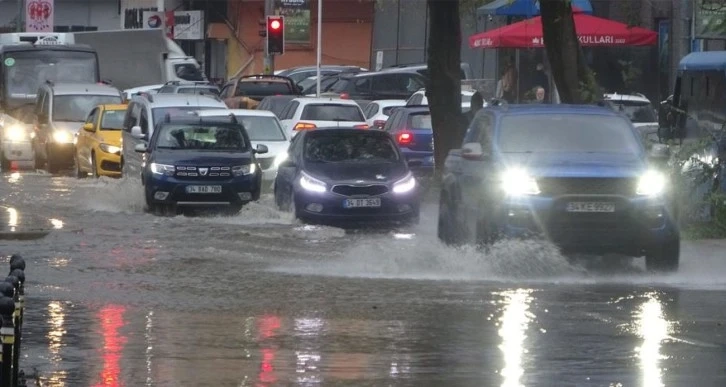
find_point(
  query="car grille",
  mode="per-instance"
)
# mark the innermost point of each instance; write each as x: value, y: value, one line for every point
x: 353, y: 190
x: 110, y: 166
x: 587, y: 186
x: 212, y: 172
x: 266, y: 163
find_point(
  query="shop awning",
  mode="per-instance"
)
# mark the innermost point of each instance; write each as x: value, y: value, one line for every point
x: 591, y: 31
x: 527, y: 8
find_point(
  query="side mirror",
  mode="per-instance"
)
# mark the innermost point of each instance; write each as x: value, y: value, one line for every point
x: 140, y: 148
x: 137, y: 133
x: 261, y: 149
x: 88, y: 127
x: 473, y: 151
x: 660, y: 152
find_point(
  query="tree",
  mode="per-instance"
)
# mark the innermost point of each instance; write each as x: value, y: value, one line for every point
x: 444, y: 86
x: 565, y: 53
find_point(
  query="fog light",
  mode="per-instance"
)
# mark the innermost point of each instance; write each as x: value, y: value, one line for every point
x: 245, y: 195
x: 404, y: 208
x: 161, y: 195
x: 314, y: 207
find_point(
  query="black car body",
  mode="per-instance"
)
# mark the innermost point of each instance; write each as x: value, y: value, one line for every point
x: 298, y: 74
x: 185, y: 166
x: 335, y: 175
x: 371, y: 86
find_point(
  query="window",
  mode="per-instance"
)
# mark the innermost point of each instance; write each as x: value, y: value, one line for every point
x: 356, y: 147
x: 363, y: 85
x: 132, y: 115
x: 112, y: 120
x: 289, y: 112
x: 201, y: 137
x: 389, y: 109
x: 420, y: 121
x: 198, y: 90
x: 262, y: 128
x: 372, y: 110
x: 75, y: 108
x: 332, y: 112
x: 159, y: 114
x: 480, y: 130
x: 92, y: 116
x: 188, y: 72
x: 144, y: 121
x: 262, y: 88
x: 226, y: 91
x: 637, y: 111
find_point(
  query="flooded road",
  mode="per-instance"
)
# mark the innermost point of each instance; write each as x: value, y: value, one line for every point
x: 117, y: 297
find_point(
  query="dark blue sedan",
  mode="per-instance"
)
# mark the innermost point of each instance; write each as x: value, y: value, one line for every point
x: 347, y: 176
x: 411, y: 127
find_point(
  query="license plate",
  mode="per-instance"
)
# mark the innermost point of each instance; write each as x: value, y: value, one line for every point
x: 362, y: 203
x: 590, y: 207
x: 204, y: 189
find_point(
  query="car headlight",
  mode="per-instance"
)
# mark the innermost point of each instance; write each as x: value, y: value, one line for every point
x: 16, y: 133
x: 652, y: 183
x: 405, y: 185
x: 310, y: 183
x: 517, y: 182
x: 63, y: 137
x: 110, y: 149
x: 162, y: 169
x: 279, y: 159
x: 243, y: 170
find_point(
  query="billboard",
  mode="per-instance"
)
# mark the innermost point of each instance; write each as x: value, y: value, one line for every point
x: 39, y: 15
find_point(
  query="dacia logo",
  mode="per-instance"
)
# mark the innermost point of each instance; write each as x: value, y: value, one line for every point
x: 203, y: 171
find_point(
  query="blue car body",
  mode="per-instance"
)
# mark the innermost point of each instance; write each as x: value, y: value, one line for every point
x: 587, y: 201
x: 418, y: 147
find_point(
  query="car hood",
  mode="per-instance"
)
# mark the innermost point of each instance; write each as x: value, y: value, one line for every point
x: 110, y: 137
x: 578, y: 164
x: 357, y: 172
x: 274, y: 148
x: 70, y: 126
x: 201, y: 158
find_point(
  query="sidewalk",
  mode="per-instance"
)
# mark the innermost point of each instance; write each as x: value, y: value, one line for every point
x: 22, y: 226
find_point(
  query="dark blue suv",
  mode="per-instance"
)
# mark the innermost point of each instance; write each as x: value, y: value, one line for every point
x: 577, y: 175
x: 193, y: 163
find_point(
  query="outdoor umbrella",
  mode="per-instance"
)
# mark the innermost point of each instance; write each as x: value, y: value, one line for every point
x: 527, y: 8
x: 591, y: 31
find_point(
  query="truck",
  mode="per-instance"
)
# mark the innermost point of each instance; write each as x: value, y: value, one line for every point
x: 28, y: 61
x: 134, y: 58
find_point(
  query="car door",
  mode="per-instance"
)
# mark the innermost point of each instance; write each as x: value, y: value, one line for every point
x: 476, y: 176
x: 288, y: 170
x: 86, y: 140
x: 131, y: 161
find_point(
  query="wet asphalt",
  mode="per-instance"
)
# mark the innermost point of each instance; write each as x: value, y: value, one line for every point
x: 118, y: 297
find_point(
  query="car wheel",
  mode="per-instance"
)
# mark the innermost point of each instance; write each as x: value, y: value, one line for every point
x: 94, y: 166
x: 79, y: 173
x: 449, y: 229
x: 51, y: 166
x: 665, y: 257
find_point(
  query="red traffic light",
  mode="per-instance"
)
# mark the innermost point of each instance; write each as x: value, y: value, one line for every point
x: 275, y: 24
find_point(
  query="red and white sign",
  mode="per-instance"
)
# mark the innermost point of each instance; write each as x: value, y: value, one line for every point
x: 39, y: 15
x: 160, y: 20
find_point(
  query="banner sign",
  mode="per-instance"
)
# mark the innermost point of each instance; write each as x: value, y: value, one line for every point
x: 189, y: 25
x: 39, y: 15
x: 153, y: 20
x: 297, y: 19
x: 709, y: 19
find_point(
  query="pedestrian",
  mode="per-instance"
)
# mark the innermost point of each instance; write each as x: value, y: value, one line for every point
x: 539, y: 95
x: 477, y: 103
x: 540, y: 78
x: 509, y: 83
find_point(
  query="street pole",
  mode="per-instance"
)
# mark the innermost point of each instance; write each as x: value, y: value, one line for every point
x: 269, y: 59
x: 21, y: 10
x: 320, y: 47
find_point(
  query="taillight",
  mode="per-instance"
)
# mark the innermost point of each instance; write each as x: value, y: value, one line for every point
x: 344, y: 96
x: 404, y: 138
x: 361, y: 126
x: 379, y: 123
x: 304, y: 126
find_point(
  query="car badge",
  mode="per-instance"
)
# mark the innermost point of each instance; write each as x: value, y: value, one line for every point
x: 380, y: 177
x: 203, y: 171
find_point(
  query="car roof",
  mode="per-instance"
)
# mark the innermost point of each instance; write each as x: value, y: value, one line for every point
x: 323, y: 67
x: 172, y: 100
x: 84, y: 88
x: 525, y: 109
x: 331, y: 129
x: 390, y: 102
x: 415, y: 108
x: 236, y: 112
x: 329, y: 100
x: 626, y: 97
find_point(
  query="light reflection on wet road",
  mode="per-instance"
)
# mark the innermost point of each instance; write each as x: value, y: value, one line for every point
x: 117, y: 297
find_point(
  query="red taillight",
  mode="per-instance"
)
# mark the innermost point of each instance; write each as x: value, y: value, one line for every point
x: 379, y: 124
x: 304, y: 126
x: 344, y: 96
x: 362, y: 126
x: 404, y: 138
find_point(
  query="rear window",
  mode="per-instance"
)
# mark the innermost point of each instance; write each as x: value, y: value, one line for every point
x: 420, y: 121
x: 639, y: 112
x: 113, y: 119
x: 350, y: 147
x: 332, y: 112
x: 262, y: 88
x: 340, y: 85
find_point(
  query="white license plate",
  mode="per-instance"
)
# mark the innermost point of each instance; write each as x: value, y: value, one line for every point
x: 362, y: 203
x: 204, y: 189
x: 590, y: 207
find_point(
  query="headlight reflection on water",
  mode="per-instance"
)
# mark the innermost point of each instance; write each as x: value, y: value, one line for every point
x: 513, y: 326
x: 653, y: 328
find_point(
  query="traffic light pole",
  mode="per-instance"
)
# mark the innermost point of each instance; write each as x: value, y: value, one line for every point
x: 269, y: 59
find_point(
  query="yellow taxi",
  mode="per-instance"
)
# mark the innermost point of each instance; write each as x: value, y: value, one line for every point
x: 98, y: 146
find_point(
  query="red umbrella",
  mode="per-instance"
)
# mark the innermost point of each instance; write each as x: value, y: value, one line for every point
x: 591, y: 31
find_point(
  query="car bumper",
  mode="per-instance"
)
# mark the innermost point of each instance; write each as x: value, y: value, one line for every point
x: 329, y: 208
x: 61, y: 153
x: 238, y: 190
x: 18, y: 151
x: 637, y: 224
x: 109, y: 164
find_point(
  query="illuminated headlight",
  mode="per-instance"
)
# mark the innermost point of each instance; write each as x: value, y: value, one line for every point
x: 110, y: 149
x: 652, y: 183
x: 708, y: 160
x: 312, y: 184
x: 517, y: 182
x: 162, y: 169
x: 405, y: 185
x: 279, y: 159
x: 243, y: 170
x: 16, y: 133
x: 63, y: 137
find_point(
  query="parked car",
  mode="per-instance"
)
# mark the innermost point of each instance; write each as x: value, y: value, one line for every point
x: 371, y: 86
x: 419, y: 98
x: 179, y: 87
x: 342, y: 175
x: 411, y: 127
x: 298, y: 74
x: 310, y: 86
x: 311, y: 113
x: 423, y: 69
x: 247, y: 92
x: 377, y: 112
x: 193, y: 163
x: 639, y: 110
x: 275, y: 103
x: 576, y: 175
x: 98, y: 149
x: 263, y: 128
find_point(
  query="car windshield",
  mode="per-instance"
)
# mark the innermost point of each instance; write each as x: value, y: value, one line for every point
x: 201, y: 137
x: 188, y: 72
x: 25, y: 71
x: 159, y: 114
x: 113, y: 119
x: 262, y: 88
x: 568, y: 133
x: 262, y: 128
x: 332, y: 112
x: 362, y: 147
x: 420, y: 121
x: 325, y: 84
x: 638, y: 112
x: 75, y: 108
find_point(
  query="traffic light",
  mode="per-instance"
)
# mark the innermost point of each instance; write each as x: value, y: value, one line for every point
x: 275, y: 35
